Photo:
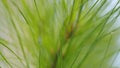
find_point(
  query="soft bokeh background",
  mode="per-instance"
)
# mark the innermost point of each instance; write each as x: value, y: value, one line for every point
x: 33, y: 31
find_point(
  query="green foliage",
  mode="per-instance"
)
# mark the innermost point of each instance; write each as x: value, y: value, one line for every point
x: 59, y: 33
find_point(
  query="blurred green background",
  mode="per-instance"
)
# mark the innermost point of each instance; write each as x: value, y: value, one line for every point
x: 60, y: 33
